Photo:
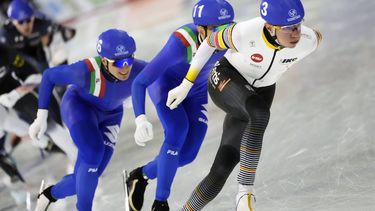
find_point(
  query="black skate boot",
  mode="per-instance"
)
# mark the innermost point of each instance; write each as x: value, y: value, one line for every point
x: 136, y: 186
x: 8, y: 164
x: 160, y: 206
x: 44, y: 199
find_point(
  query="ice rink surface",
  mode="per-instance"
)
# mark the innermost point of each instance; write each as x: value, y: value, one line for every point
x: 319, y: 148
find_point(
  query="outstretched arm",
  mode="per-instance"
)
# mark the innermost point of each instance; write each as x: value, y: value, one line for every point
x: 221, y: 39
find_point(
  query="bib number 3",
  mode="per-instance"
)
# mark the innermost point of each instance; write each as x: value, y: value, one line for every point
x: 264, y: 8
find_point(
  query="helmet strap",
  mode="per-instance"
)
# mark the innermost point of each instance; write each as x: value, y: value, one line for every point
x: 106, y: 70
x: 200, y: 38
x: 271, y: 37
x: 273, y: 32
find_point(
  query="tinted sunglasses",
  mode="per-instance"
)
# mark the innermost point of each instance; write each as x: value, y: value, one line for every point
x: 120, y: 63
x: 28, y: 20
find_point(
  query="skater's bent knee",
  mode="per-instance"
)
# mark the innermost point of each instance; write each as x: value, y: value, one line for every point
x: 226, y: 159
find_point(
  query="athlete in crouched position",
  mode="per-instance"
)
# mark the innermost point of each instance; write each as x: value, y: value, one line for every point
x: 92, y: 109
x: 242, y: 84
x: 186, y: 126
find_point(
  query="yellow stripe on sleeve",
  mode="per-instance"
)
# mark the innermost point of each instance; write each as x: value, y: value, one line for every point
x: 192, y: 74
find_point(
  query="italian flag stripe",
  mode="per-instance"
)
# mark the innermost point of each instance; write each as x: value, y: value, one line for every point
x: 97, y: 81
x: 89, y: 65
x: 189, y: 54
x: 192, y: 35
x: 102, y: 86
x: 92, y: 82
x: 182, y: 38
x: 189, y: 39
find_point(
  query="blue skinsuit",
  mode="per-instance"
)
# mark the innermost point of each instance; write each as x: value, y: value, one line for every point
x: 92, y: 110
x: 185, y: 126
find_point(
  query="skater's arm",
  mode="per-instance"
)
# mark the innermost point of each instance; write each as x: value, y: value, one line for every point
x: 60, y: 75
x: 171, y: 54
x: 221, y: 39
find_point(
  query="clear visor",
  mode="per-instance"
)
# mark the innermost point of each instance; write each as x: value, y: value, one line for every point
x: 289, y: 28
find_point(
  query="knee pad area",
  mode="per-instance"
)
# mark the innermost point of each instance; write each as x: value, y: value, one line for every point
x: 257, y: 110
x: 92, y: 156
x: 226, y: 159
x: 186, y: 159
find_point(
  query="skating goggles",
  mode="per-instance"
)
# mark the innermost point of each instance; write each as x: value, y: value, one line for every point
x: 28, y: 20
x: 120, y: 63
x: 289, y: 28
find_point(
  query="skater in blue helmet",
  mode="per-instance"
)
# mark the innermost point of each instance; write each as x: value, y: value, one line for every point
x: 40, y: 40
x: 186, y: 126
x: 92, y: 109
x: 243, y: 84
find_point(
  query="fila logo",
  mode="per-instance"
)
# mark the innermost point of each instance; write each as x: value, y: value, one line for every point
x: 285, y: 61
x: 256, y: 57
x: 93, y: 170
x: 171, y: 152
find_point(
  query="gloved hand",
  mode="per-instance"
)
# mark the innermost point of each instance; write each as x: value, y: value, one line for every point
x: 143, y: 132
x: 39, y: 126
x: 178, y: 94
x: 11, y: 98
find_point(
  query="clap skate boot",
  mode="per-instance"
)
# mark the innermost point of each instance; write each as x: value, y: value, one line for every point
x: 160, y: 206
x: 44, y: 198
x: 245, y: 201
x: 136, y: 183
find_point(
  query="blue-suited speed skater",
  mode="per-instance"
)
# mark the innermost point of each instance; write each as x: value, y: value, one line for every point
x: 184, y: 127
x: 92, y: 109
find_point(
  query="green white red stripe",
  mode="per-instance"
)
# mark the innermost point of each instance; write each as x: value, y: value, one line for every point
x: 189, y: 39
x: 97, y: 81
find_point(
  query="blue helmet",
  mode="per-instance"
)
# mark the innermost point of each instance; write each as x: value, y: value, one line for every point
x: 20, y: 10
x: 212, y: 12
x: 282, y: 12
x: 115, y: 44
